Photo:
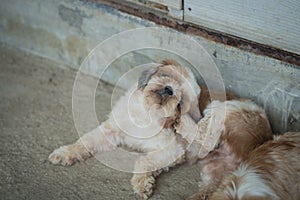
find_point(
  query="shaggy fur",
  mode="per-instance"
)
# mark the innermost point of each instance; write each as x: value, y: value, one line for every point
x: 163, y: 94
x: 228, y: 132
x: 271, y: 172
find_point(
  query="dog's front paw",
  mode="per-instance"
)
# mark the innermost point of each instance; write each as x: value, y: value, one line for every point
x: 143, y: 185
x: 62, y: 156
x: 67, y: 155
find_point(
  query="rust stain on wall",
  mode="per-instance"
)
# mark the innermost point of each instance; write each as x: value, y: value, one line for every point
x: 75, y: 47
x: 14, y: 25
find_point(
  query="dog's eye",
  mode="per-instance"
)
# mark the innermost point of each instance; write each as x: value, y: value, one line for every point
x: 168, y: 90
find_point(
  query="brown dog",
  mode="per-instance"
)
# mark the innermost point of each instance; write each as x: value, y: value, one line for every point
x: 271, y: 172
x: 228, y: 132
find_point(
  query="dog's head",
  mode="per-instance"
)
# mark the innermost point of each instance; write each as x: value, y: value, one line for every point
x: 170, y: 88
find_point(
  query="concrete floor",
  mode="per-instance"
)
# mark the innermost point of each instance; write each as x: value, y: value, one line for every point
x: 36, y: 118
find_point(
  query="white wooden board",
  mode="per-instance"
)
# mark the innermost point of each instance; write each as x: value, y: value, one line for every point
x: 177, y: 4
x: 275, y: 23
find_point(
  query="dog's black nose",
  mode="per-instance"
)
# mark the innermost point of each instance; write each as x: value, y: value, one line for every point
x: 168, y: 90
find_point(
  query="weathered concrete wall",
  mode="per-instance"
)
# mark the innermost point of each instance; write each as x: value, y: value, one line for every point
x: 67, y: 30
x: 62, y: 30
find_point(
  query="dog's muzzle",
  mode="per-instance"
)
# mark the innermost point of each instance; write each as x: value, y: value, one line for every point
x: 168, y: 90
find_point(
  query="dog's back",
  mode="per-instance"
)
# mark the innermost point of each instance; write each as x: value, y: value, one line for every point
x: 271, y: 172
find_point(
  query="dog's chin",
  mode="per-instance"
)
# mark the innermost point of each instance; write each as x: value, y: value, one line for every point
x: 163, y: 108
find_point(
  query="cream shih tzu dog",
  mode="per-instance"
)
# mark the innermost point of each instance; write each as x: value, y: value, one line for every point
x: 145, y: 120
x: 271, y: 172
x: 228, y: 132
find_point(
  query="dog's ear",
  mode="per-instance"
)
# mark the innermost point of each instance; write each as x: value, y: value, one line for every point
x: 146, y: 76
x: 170, y: 62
